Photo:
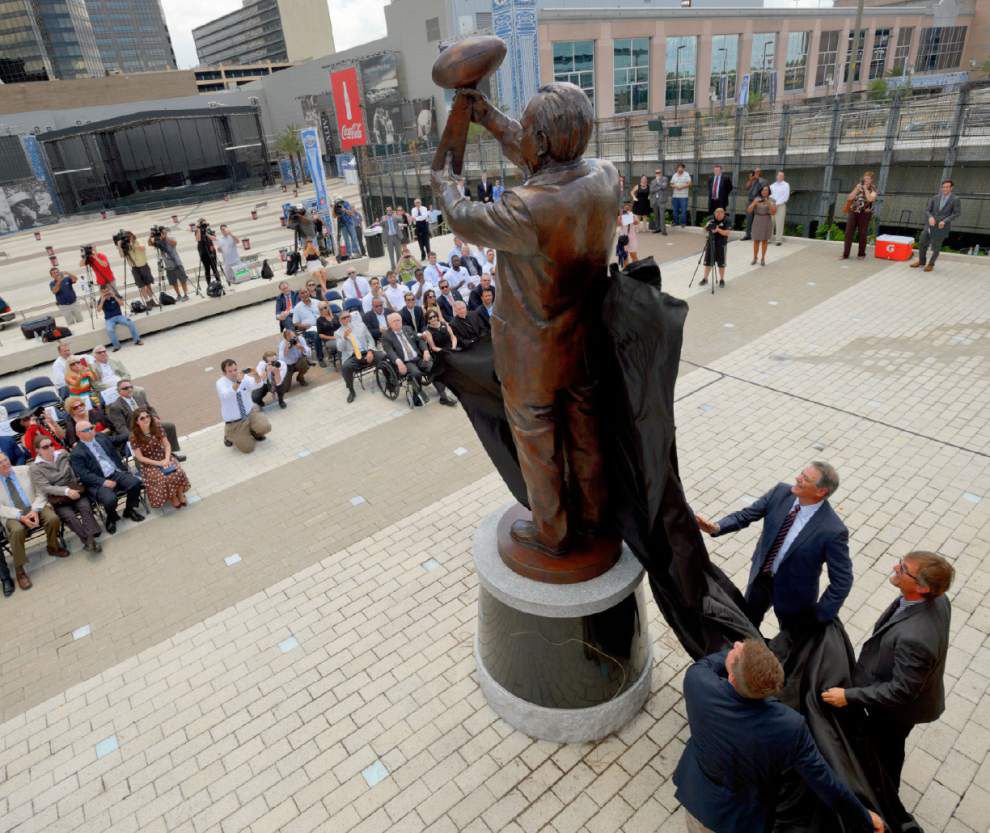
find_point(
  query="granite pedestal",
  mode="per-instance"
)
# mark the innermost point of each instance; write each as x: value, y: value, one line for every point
x: 564, y: 663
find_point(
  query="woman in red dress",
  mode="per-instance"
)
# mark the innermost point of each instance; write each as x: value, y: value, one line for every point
x: 164, y: 480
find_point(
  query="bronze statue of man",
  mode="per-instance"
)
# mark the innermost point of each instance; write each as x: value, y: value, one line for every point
x: 553, y: 235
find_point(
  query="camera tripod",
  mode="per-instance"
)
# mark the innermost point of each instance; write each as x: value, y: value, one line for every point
x: 88, y: 295
x: 708, y: 247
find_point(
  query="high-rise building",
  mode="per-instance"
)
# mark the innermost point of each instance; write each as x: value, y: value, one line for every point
x: 47, y: 39
x: 266, y: 30
x: 24, y: 57
x: 132, y: 35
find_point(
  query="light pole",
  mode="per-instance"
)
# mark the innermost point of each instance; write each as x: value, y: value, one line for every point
x: 763, y: 64
x: 722, y: 90
x: 677, y: 73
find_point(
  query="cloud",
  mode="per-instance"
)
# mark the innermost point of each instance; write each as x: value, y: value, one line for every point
x: 354, y: 22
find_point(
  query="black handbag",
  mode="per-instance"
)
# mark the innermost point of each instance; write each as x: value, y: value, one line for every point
x: 165, y: 299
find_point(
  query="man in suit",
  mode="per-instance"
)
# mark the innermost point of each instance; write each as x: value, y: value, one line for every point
x: 100, y: 469
x: 375, y: 319
x: 482, y: 314
x: 546, y: 324
x: 467, y: 328
x: 356, y: 344
x: 898, y: 676
x: 410, y: 356
x: 412, y: 315
x: 474, y: 300
x: 446, y: 299
x: 486, y: 189
x: 801, y: 532
x: 659, y: 188
x: 941, y: 210
x: 285, y: 302
x: 24, y: 509
x: 392, y: 232
x: 743, y: 742
x: 719, y: 188
x: 129, y: 399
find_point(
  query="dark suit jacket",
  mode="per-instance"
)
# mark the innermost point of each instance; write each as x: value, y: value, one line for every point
x: 824, y: 540
x: 416, y: 320
x: 901, y: 666
x: 371, y: 322
x: 951, y: 211
x: 280, y: 307
x: 486, y: 191
x: 471, y: 264
x: 87, y: 467
x: 720, y: 200
x: 738, y: 750
x: 119, y: 413
x: 474, y: 300
x: 480, y: 318
x: 393, y: 349
x: 467, y: 331
x: 445, y: 306
x: 95, y: 415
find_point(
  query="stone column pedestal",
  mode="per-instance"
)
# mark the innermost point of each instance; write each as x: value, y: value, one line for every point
x: 561, y: 662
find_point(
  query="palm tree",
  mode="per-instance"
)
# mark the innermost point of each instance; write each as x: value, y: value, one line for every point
x: 289, y: 145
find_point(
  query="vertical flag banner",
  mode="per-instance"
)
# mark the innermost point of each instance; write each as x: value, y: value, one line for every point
x: 347, y: 103
x: 744, y: 90
x: 311, y: 145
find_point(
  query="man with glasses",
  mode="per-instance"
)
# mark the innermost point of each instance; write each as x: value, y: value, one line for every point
x: 356, y: 344
x: 355, y: 285
x: 375, y: 319
x: 53, y: 477
x: 23, y: 509
x: 801, y: 533
x: 411, y: 357
x: 109, y: 371
x: 447, y: 298
x: 105, y: 476
x: 128, y: 399
x: 899, y: 675
x: 412, y: 314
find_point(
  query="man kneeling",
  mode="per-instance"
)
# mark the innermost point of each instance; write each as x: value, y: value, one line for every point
x: 411, y: 357
x: 244, y: 424
x: 355, y: 342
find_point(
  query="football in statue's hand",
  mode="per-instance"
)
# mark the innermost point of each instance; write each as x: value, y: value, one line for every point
x: 465, y: 63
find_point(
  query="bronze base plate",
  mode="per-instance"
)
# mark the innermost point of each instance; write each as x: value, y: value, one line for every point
x: 587, y: 558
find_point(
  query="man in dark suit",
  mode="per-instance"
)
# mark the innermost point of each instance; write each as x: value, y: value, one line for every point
x: 129, y: 400
x: 446, y: 299
x: 547, y: 324
x: 100, y: 469
x: 412, y: 315
x: 719, y: 189
x: 375, y: 320
x: 483, y: 313
x: 485, y: 189
x: 410, y: 356
x: 801, y: 532
x: 898, y: 677
x: 941, y: 210
x: 474, y: 300
x: 285, y: 303
x: 466, y: 327
x: 743, y: 741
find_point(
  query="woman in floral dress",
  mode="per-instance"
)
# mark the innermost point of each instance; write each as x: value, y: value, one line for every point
x: 164, y: 480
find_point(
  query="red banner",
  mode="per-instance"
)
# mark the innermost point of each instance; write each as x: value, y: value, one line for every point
x: 347, y: 103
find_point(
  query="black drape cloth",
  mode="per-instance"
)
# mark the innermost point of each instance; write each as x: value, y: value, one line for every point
x: 643, y: 329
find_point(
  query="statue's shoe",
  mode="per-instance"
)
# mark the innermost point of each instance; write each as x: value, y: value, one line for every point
x: 525, y: 533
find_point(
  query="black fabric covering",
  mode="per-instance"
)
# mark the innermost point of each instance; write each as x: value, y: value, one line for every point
x: 643, y: 328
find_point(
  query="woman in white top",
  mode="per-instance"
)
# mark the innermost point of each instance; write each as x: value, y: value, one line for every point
x: 627, y: 227
x: 680, y: 188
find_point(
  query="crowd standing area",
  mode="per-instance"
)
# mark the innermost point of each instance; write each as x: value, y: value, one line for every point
x: 267, y: 618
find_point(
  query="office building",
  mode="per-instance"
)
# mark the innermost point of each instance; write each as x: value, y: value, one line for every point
x: 24, y: 57
x: 46, y: 39
x: 231, y: 76
x: 131, y: 35
x: 266, y: 30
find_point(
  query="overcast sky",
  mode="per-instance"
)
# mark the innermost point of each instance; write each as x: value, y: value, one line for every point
x: 354, y: 22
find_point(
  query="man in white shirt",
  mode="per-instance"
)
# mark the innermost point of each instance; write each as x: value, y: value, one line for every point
x: 244, y: 424
x: 459, y: 277
x: 433, y: 271
x: 227, y: 242
x: 108, y: 373
x: 488, y: 267
x: 421, y: 217
x: 680, y: 189
x: 294, y: 350
x: 395, y: 292
x: 354, y: 285
x: 61, y: 364
x: 274, y: 374
x: 420, y: 286
x: 304, y: 315
x: 376, y: 292
x: 457, y: 249
x: 780, y: 191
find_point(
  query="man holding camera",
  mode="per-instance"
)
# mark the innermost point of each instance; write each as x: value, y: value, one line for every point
x: 244, y: 424
x: 137, y: 256
x: 717, y: 229
x: 98, y: 263
x: 175, y: 272
x: 275, y: 374
x: 206, y: 246
x: 295, y: 352
x: 65, y: 295
x: 346, y: 227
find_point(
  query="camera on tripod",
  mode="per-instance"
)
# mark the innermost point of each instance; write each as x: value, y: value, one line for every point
x: 122, y: 239
x: 205, y: 230
x: 86, y: 251
x: 158, y: 235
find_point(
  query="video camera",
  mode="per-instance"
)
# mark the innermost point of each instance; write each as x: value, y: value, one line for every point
x: 158, y: 235
x: 86, y: 251
x: 338, y: 208
x: 123, y: 240
x: 204, y: 229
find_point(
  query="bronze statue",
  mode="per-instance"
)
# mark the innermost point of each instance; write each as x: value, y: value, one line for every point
x: 553, y: 235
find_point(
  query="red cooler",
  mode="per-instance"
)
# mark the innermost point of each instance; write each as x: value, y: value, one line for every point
x: 894, y: 247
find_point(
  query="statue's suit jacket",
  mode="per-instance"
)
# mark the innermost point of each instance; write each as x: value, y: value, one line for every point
x: 553, y: 235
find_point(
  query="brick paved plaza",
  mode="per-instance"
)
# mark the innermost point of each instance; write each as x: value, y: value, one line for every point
x: 324, y: 679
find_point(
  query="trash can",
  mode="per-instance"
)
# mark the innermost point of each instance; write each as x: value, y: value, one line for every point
x: 373, y: 242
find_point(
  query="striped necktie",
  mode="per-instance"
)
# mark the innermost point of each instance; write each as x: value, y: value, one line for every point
x: 778, y: 542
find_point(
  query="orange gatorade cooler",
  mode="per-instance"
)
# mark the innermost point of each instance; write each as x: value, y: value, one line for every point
x: 894, y: 247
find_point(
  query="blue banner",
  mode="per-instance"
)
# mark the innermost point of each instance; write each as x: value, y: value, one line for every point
x: 744, y: 90
x: 39, y: 167
x: 314, y: 161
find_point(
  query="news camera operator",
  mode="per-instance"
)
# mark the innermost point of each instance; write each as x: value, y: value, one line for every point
x: 302, y: 224
x: 347, y: 220
x: 136, y: 256
x: 717, y: 231
x: 206, y: 246
x: 97, y: 263
x: 175, y: 272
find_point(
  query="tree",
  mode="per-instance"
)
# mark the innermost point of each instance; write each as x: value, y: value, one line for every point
x: 290, y: 146
x: 878, y: 90
x: 755, y: 101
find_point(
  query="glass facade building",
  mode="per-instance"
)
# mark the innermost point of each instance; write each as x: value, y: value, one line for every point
x: 131, y: 35
x: 249, y: 34
x: 42, y: 40
x: 23, y: 56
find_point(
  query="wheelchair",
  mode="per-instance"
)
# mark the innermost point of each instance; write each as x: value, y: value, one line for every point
x: 391, y: 384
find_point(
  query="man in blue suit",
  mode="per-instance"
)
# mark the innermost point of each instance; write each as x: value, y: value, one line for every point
x: 801, y: 532
x: 743, y: 740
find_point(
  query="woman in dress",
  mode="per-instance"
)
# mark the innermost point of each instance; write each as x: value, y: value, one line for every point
x: 641, y: 199
x: 81, y: 380
x: 438, y: 334
x: 762, y: 208
x: 164, y: 480
x: 859, y: 212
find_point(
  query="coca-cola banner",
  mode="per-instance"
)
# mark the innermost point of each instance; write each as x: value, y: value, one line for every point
x: 347, y: 103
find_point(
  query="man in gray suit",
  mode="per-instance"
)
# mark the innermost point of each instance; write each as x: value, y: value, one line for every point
x: 941, y: 210
x: 659, y: 186
x: 392, y: 232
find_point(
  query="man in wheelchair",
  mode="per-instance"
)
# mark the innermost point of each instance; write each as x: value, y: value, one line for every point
x: 410, y: 357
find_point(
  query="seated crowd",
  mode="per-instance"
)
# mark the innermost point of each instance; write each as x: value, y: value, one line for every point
x: 61, y: 462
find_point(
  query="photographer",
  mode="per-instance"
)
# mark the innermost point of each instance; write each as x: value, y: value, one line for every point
x: 302, y: 224
x: 244, y: 425
x: 137, y: 256
x: 346, y: 223
x: 295, y: 352
x: 175, y: 272
x: 273, y: 375
x: 109, y: 305
x: 65, y: 295
x: 717, y: 230
x: 98, y: 263
x: 206, y: 246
